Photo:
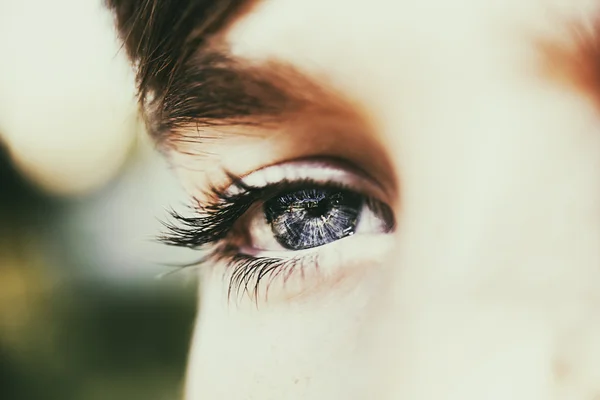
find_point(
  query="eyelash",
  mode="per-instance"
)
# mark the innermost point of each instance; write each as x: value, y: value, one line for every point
x: 248, y: 272
x: 213, y: 223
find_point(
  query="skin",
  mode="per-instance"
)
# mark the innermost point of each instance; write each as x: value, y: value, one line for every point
x: 479, y: 121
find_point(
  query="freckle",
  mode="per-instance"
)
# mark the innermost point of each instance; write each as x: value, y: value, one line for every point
x: 561, y: 371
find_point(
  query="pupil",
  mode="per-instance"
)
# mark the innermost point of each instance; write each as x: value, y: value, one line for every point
x: 317, y: 209
x: 313, y: 217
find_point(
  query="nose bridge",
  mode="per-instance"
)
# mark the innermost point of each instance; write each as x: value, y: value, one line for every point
x: 497, y: 248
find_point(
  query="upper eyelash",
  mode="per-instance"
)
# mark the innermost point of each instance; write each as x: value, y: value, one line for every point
x: 211, y: 222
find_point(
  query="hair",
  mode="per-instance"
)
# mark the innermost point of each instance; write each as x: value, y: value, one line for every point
x: 160, y: 37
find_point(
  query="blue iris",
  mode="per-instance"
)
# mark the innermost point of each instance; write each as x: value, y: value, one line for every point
x: 313, y: 217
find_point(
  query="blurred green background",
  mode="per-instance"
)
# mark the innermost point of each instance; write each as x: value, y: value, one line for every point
x: 82, y: 313
x: 67, y: 332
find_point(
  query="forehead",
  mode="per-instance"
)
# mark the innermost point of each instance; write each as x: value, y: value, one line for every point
x: 369, y: 48
x: 383, y: 25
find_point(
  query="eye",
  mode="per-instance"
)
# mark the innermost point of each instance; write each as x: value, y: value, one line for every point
x: 313, y: 211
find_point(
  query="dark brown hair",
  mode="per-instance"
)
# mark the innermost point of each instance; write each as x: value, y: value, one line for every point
x: 161, y: 36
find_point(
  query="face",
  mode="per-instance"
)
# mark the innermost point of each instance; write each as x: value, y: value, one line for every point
x: 411, y: 212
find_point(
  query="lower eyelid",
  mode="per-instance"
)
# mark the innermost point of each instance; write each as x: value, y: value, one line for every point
x: 312, y: 271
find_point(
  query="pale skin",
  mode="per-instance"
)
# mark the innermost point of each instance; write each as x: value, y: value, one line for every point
x: 485, y: 143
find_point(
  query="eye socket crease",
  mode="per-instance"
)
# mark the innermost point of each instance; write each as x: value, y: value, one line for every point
x: 233, y: 114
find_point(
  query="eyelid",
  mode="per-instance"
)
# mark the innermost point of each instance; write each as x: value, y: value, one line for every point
x: 312, y: 271
x: 317, y: 171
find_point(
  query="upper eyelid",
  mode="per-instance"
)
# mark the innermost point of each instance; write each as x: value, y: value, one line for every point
x: 313, y: 170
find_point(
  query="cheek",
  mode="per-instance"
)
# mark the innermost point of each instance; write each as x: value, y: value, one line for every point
x: 294, y: 350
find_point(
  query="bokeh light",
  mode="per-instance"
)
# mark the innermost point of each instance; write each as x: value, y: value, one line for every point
x: 67, y: 108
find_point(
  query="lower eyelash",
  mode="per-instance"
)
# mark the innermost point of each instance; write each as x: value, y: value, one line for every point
x: 249, y: 275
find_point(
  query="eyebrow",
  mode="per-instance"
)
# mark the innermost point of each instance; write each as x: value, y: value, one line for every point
x: 176, y: 75
x: 215, y: 89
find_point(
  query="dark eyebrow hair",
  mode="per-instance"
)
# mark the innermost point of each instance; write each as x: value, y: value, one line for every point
x: 186, y: 79
x: 216, y: 89
x: 167, y: 42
